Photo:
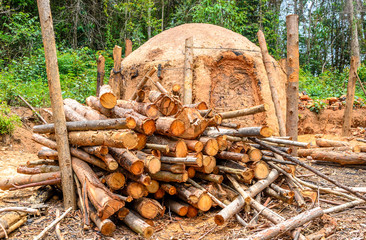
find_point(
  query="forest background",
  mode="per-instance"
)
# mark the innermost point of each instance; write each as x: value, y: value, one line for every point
x: 86, y: 28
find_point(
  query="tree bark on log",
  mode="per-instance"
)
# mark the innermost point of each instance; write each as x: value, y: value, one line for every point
x: 107, y: 159
x: 147, y: 109
x: 287, y: 142
x: 87, y: 125
x: 7, y: 183
x: 237, y: 157
x: 74, y: 151
x: 290, y: 224
x: 97, y: 150
x: 138, y: 225
x: 95, y: 104
x: 152, y: 163
x: 71, y: 115
x: 165, y: 176
x: 148, y: 208
x: 102, y: 199
x: 177, y: 207
x: 321, y: 142
x: 241, y: 132
x: 37, y: 169
x: 343, y: 158
x: 47, y: 153
x: 308, y: 152
x: 115, y: 79
x: 210, y: 177
x: 272, y: 78
x: 118, y: 138
x: 211, y: 147
x: 189, y: 161
x: 128, y: 160
x: 293, y: 68
x: 85, y: 111
x: 178, y: 147
x: 169, y: 126
x: 170, y: 189
x: 244, y: 112
x: 194, y: 196
x: 100, y: 73
x: 194, y: 145
x: 174, y: 168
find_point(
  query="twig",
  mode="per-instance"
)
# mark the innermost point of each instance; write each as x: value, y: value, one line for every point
x: 40, y: 236
x: 5, y: 233
x: 360, y: 82
x: 57, y: 229
x: 34, y: 110
x: 361, y: 140
x: 20, y: 209
x: 207, y: 232
x: 304, y: 165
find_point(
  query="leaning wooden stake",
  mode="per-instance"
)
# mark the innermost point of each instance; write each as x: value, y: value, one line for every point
x: 188, y: 72
x: 290, y: 224
x: 53, y: 77
x: 272, y: 77
x: 304, y: 165
x: 128, y: 47
x: 293, y: 68
x: 100, y: 73
x: 142, y: 82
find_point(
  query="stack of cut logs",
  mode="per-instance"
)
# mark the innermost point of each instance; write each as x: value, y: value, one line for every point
x: 135, y: 159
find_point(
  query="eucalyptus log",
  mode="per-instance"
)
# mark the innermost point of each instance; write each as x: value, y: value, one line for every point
x: 148, y: 208
x: 191, y: 172
x: 177, y: 146
x: 128, y: 160
x: 272, y: 193
x: 308, y: 152
x: 210, y: 177
x: 106, y: 97
x: 153, y: 187
x: 287, y: 142
x: 147, y: 109
x: 41, y: 162
x: 177, y: 207
x: 85, y: 111
x: 37, y: 169
x: 71, y: 115
x: 141, y: 141
x: 138, y: 225
x: 106, y: 226
x: 152, y: 163
x: 254, y: 154
x: 238, y: 157
x: 144, y: 124
x: 241, y: 132
x: 166, y: 105
x: 194, y: 196
x: 260, y: 169
x: 209, y: 168
x: 285, y: 226
x: 174, y: 168
x: 222, y: 142
x: 159, y: 194
x: 118, y: 123
x: 211, y: 147
x: 194, y: 145
x: 115, y: 180
x: 107, y: 158
x: 189, y: 161
x: 94, y: 103
x: 321, y: 142
x: 245, y: 111
x: 169, y: 126
x: 47, y: 153
x: 159, y: 147
x: 343, y: 158
x: 170, y: 189
x: 143, y: 178
x: 97, y: 150
x: 122, y: 213
x: 100, y: 196
x: 165, y: 176
x: 135, y: 190
x: 118, y: 138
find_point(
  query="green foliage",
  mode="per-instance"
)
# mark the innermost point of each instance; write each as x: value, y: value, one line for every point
x: 317, y: 106
x: 27, y: 76
x: 8, y: 121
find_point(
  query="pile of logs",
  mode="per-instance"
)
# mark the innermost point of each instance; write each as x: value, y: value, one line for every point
x: 136, y: 159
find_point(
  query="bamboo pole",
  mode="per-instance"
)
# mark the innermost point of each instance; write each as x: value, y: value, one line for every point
x: 54, y: 85
x: 293, y: 67
x: 188, y: 72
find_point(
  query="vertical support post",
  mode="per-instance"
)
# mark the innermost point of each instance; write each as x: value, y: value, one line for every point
x: 48, y: 35
x: 100, y: 73
x: 128, y: 47
x: 292, y: 25
x: 188, y: 71
x: 115, y: 80
x: 268, y: 64
x: 354, y: 64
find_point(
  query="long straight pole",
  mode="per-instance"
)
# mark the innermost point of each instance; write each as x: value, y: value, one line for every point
x: 48, y: 36
x: 292, y: 96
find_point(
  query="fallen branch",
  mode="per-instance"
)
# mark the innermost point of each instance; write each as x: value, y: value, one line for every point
x: 20, y: 209
x: 34, y: 110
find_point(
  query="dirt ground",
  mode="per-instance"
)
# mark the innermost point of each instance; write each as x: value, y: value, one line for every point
x: 351, y: 224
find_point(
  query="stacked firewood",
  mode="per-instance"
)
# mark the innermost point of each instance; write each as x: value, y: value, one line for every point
x: 134, y: 159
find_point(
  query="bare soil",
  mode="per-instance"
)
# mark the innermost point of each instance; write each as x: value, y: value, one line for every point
x: 350, y: 224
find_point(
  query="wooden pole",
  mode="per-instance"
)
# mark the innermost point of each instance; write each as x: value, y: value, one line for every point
x: 68, y: 189
x: 351, y: 87
x: 268, y: 64
x: 100, y: 73
x: 128, y: 49
x: 115, y: 80
x: 188, y: 72
x: 293, y: 67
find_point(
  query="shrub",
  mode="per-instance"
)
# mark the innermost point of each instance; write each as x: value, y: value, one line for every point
x: 8, y: 122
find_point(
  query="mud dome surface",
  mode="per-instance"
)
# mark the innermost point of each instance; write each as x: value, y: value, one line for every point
x: 228, y: 69
x: 350, y: 224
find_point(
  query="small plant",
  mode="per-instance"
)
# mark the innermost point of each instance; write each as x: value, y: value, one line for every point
x: 8, y: 122
x: 317, y: 106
